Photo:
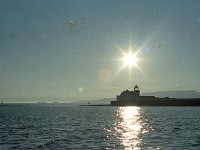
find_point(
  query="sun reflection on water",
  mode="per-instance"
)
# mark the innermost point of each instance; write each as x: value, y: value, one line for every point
x: 129, y: 127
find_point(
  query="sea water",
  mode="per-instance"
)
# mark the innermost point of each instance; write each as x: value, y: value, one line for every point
x: 53, y: 127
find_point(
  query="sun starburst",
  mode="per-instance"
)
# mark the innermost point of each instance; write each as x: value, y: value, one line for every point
x: 130, y: 59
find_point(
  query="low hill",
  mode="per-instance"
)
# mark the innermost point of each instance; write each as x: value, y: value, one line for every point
x: 174, y: 94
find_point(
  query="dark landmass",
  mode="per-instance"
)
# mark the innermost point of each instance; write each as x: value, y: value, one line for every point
x: 105, y: 101
x: 161, y: 94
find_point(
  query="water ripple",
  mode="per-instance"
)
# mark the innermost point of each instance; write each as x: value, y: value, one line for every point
x: 73, y: 127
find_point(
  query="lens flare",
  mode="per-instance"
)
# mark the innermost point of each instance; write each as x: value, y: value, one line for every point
x: 105, y: 74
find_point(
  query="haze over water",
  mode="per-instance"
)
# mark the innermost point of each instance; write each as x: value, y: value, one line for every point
x: 75, y: 127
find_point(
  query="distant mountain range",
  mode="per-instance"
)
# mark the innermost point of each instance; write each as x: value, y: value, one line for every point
x: 171, y: 94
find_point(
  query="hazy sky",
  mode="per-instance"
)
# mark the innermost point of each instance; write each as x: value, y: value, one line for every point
x: 64, y: 50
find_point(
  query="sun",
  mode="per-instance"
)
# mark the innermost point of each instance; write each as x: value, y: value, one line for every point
x: 130, y: 59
